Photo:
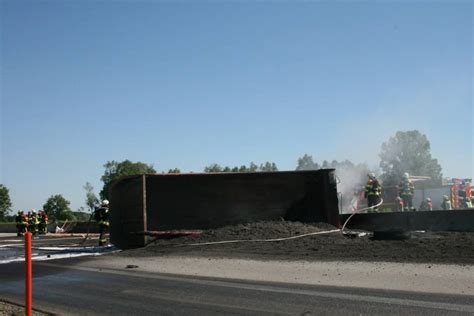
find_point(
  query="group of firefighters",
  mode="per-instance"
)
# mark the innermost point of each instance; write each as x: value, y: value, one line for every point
x: 404, y: 200
x: 33, y: 222
x: 37, y: 222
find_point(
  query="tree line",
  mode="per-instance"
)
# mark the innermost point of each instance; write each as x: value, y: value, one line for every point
x: 252, y: 167
x: 408, y: 151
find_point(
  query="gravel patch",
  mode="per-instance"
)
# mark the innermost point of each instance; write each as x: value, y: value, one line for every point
x: 8, y: 309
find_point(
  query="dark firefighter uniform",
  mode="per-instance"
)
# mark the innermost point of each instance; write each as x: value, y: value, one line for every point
x: 406, y: 192
x: 446, y: 205
x: 33, y: 223
x: 102, y: 217
x: 467, y: 202
x: 373, y: 191
x: 43, y: 222
x: 426, y: 205
x: 21, y: 223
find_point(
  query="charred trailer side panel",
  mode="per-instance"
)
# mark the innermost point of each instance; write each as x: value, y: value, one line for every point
x: 211, y: 200
x: 128, y: 212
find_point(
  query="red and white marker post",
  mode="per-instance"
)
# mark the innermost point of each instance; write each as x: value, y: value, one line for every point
x: 28, y: 275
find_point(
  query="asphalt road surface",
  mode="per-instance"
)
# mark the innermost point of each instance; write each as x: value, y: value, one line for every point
x: 63, y: 287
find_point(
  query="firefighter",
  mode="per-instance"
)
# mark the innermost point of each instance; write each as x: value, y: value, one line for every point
x: 373, y: 191
x: 468, y: 202
x: 399, y: 204
x: 33, y: 222
x: 406, y: 190
x: 21, y: 223
x: 43, y: 222
x: 101, y: 215
x: 446, y: 205
x: 426, y: 205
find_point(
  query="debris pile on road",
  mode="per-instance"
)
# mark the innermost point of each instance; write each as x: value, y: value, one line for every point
x: 260, y: 230
x: 439, y: 247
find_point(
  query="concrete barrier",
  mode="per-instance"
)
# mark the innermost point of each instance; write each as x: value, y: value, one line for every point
x: 7, y: 228
x: 455, y: 220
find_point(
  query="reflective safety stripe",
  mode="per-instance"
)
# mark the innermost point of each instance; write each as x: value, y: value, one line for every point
x: 371, y: 190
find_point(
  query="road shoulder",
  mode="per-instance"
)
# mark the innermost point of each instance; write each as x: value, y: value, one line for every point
x: 427, y: 278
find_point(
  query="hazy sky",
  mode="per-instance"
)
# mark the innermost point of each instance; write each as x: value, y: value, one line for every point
x: 189, y: 83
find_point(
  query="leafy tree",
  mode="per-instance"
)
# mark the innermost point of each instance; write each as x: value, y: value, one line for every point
x: 213, y: 168
x: 408, y: 152
x: 252, y: 167
x: 5, y: 202
x: 175, y: 170
x: 10, y: 218
x: 115, y: 170
x: 325, y: 165
x: 243, y: 168
x: 81, y: 215
x: 268, y: 166
x: 91, y: 198
x: 57, y: 208
x: 306, y: 163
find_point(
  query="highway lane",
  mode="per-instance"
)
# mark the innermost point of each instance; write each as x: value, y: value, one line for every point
x: 67, y: 288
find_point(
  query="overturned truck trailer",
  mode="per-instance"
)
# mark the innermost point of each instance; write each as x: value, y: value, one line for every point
x: 154, y: 202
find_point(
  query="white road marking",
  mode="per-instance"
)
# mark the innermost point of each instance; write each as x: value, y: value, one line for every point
x: 52, y: 257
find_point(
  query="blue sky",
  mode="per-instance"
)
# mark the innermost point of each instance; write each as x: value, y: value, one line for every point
x: 189, y: 83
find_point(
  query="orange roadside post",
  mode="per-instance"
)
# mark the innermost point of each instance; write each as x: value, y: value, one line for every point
x: 28, y: 275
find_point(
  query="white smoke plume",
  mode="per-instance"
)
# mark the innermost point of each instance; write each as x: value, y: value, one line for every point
x: 351, y: 182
